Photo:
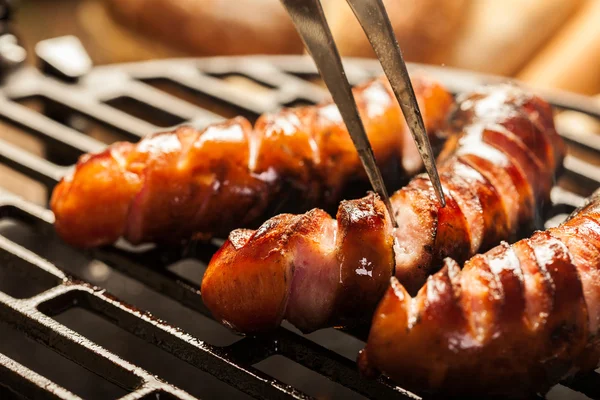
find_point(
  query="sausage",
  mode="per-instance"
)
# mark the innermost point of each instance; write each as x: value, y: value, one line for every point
x: 513, y: 322
x: 309, y: 269
x: 316, y: 271
x: 496, y: 169
x: 173, y: 185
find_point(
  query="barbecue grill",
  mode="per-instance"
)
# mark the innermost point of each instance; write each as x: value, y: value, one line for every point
x: 62, y: 335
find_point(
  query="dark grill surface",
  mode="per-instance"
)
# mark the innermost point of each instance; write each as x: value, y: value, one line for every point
x: 61, y: 337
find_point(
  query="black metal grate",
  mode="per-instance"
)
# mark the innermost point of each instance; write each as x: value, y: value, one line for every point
x: 127, y: 102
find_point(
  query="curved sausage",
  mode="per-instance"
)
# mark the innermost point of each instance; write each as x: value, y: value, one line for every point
x: 513, y: 322
x: 173, y: 185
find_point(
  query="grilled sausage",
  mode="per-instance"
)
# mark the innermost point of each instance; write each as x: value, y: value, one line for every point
x: 513, y: 322
x: 172, y: 185
x: 309, y: 269
x: 496, y: 171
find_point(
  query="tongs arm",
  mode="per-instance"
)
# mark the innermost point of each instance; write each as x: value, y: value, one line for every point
x: 310, y: 22
x: 377, y: 26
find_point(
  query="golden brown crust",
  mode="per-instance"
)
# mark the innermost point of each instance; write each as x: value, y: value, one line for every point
x: 308, y: 269
x: 173, y: 185
x: 264, y: 265
x: 515, y: 317
x: 112, y: 190
x: 365, y: 256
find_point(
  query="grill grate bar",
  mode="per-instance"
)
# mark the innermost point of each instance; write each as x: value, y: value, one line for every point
x: 214, y: 87
x: 582, y: 169
x: 29, y: 164
x: 335, y: 367
x: 24, y: 315
x: 12, y: 249
x: 169, y: 103
x: 590, y: 142
x: 30, y: 383
x: 289, y: 86
x: 47, y: 129
x: 78, y: 100
x: 100, y: 112
x: 177, y: 343
x: 70, y: 344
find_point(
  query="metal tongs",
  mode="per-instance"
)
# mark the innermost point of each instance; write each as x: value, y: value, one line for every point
x: 309, y: 19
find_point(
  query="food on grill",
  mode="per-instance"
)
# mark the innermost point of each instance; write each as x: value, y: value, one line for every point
x: 497, y: 169
x: 172, y: 185
x: 310, y: 269
x: 514, y: 321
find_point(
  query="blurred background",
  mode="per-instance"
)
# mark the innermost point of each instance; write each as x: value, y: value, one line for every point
x: 547, y: 43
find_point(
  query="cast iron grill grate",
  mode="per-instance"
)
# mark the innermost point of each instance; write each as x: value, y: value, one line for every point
x: 42, y: 279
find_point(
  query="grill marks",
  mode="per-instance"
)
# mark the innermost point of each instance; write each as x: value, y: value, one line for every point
x: 500, y: 166
x: 514, y: 321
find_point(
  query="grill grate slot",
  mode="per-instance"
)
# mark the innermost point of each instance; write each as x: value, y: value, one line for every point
x: 167, y: 281
x: 146, y: 112
x: 306, y: 380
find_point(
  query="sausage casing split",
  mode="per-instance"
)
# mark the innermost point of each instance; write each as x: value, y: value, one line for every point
x: 173, y: 185
x: 513, y: 322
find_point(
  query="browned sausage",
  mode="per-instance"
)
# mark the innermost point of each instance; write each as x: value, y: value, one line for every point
x: 172, y: 185
x: 514, y: 321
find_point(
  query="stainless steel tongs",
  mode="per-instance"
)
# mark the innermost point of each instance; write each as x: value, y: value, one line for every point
x: 309, y: 19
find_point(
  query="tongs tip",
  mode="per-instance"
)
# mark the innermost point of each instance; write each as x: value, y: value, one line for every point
x: 309, y: 19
